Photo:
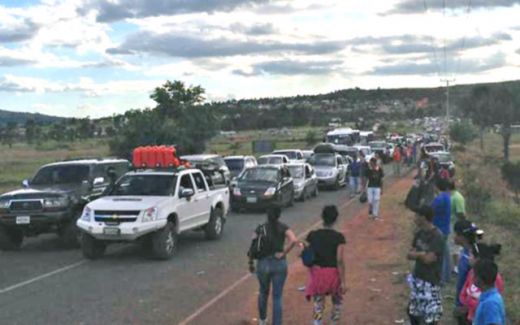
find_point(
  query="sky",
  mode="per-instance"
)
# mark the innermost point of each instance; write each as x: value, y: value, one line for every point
x: 97, y: 58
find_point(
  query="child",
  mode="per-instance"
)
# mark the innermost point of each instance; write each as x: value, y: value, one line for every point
x: 470, y: 294
x: 491, y: 309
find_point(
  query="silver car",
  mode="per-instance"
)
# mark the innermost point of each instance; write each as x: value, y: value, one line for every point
x: 331, y: 169
x: 305, y: 180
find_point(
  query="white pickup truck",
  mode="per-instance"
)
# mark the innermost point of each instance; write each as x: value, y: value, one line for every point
x: 153, y: 207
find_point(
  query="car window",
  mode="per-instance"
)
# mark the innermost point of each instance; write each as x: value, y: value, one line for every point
x: 299, y: 156
x: 219, y: 160
x: 199, y: 181
x: 144, y: 185
x: 62, y: 174
x: 338, y: 160
x: 186, y: 183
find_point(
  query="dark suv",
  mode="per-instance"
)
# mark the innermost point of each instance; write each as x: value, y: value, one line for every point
x: 54, y: 198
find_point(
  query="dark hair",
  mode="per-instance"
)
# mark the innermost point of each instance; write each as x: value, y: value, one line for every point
x: 329, y: 214
x: 466, y: 229
x: 273, y: 214
x: 373, y: 160
x: 486, y: 270
x: 451, y: 186
x: 484, y: 251
x: 425, y: 211
x: 442, y: 185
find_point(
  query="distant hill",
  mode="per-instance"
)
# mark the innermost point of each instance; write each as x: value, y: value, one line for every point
x: 20, y: 118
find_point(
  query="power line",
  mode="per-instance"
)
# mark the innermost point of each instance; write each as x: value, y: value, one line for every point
x: 433, y: 45
x: 463, y: 48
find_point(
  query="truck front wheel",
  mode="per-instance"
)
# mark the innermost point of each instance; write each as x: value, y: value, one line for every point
x: 164, y: 242
x: 91, y: 247
x: 70, y: 234
x: 10, y: 238
x: 215, y: 226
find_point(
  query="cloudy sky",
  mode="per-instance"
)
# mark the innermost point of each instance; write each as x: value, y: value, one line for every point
x: 100, y: 57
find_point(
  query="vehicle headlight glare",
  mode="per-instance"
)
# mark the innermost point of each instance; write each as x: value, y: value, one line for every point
x: 150, y: 214
x: 270, y: 191
x: 236, y: 191
x: 56, y: 202
x: 4, y: 204
x: 87, y: 214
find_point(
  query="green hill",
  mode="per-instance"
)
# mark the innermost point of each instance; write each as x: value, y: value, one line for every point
x: 20, y: 118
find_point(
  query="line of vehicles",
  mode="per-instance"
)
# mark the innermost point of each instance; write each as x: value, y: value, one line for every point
x: 92, y: 203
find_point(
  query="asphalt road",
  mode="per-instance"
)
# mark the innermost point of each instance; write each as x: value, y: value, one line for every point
x: 46, y: 284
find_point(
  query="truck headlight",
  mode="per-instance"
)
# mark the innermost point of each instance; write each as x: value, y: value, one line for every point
x: 270, y: 191
x: 59, y: 202
x: 236, y: 191
x: 87, y: 214
x: 299, y: 186
x: 4, y: 204
x: 150, y: 214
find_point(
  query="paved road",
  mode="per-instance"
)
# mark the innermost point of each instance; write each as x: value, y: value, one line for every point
x: 126, y: 286
x: 45, y: 284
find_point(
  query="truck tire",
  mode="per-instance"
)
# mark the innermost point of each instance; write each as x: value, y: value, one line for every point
x: 92, y: 248
x: 291, y: 200
x: 10, y: 238
x: 337, y: 185
x: 70, y: 235
x: 214, y: 228
x: 315, y: 192
x: 164, y: 242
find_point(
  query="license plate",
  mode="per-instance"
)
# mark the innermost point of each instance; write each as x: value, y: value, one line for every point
x: 23, y: 220
x: 112, y: 231
x: 251, y: 200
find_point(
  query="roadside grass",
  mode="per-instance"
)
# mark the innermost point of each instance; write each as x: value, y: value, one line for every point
x: 22, y: 160
x: 242, y: 142
x: 490, y: 205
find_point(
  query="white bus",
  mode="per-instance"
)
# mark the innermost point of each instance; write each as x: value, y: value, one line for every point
x: 346, y: 136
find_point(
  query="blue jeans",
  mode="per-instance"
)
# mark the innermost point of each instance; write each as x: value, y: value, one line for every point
x: 354, y: 184
x: 271, y: 270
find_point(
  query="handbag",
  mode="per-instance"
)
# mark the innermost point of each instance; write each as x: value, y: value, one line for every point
x: 363, y: 198
x: 308, y: 256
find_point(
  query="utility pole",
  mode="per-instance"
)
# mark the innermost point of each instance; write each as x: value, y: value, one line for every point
x: 448, y: 81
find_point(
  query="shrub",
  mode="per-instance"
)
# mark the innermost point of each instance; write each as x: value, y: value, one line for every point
x: 504, y: 213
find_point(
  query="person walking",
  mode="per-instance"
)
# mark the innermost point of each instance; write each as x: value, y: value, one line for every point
x: 397, y: 157
x: 271, y: 267
x: 425, y: 303
x: 471, y: 293
x: 442, y: 219
x: 354, y: 169
x: 374, y: 175
x: 491, y: 309
x: 458, y: 203
x: 327, y: 276
x: 362, y: 170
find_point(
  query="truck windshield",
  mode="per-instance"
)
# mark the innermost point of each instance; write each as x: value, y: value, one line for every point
x: 296, y: 171
x: 260, y: 175
x: 144, y: 185
x: 324, y: 160
x: 377, y: 145
x: 61, y: 174
x: 290, y: 154
x: 235, y: 164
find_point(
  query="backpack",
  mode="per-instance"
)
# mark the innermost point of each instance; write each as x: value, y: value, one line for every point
x: 444, y: 174
x: 308, y: 256
x: 261, y: 245
x: 413, y: 198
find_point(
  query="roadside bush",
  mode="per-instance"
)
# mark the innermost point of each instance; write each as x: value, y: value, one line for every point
x: 463, y: 132
x: 511, y: 174
x: 502, y: 213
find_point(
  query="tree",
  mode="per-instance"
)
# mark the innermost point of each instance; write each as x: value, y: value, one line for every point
x: 463, y: 132
x: 8, y: 134
x: 478, y: 107
x: 173, y: 97
x: 511, y: 174
x: 30, y: 130
x: 310, y: 137
x: 506, y: 112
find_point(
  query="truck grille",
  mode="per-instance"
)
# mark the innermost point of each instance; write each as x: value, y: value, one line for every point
x: 26, y: 206
x: 115, y: 217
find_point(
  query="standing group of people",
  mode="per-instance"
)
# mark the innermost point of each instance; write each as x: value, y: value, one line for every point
x: 436, y: 251
x: 274, y: 240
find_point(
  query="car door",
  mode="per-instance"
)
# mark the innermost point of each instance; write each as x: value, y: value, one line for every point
x: 187, y: 209
x: 340, y: 167
x: 286, y: 186
x: 201, y: 198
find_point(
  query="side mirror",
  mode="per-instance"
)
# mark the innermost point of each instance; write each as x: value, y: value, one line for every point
x: 187, y: 193
x: 25, y: 183
x: 98, y: 181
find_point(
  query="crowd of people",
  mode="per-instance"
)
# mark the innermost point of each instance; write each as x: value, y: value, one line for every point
x: 445, y: 243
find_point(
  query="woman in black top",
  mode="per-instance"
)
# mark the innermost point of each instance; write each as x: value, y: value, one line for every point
x: 272, y: 268
x: 374, y: 189
x: 327, y: 275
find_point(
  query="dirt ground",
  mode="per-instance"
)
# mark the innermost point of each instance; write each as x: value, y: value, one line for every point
x: 376, y: 266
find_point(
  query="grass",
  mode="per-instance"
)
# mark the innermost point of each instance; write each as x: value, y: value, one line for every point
x: 494, y: 212
x: 242, y: 142
x: 22, y: 160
